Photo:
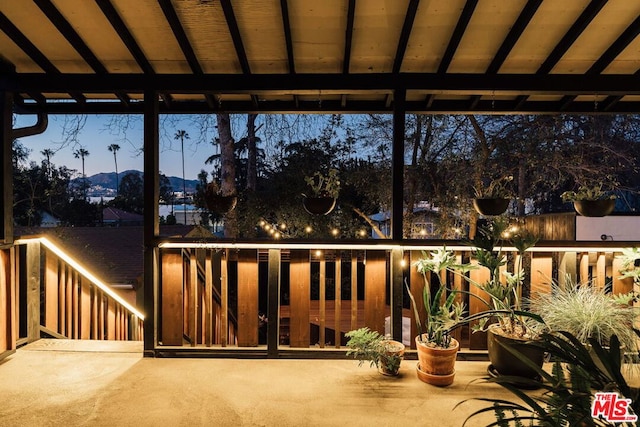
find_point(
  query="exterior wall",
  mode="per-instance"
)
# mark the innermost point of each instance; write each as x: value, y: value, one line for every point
x: 614, y: 227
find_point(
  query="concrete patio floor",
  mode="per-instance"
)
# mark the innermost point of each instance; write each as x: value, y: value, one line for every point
x: 102, y: 383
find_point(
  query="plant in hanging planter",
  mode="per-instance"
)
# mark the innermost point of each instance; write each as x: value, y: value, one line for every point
x: 216, y: 202
x: 494, y: 198
x: 591, y: 200
x: 437, y: 350
x: 323, y: 193
x: 367, y: 345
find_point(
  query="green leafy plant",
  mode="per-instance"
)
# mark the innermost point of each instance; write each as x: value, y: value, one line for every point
x: 588, y: 313
x: 588, y: 192
x: 443, y: 311
x: 630, y: 258
x: 497, y: 189
x: 322, y: 185
x: 579, y: 371
x: 367, y: 345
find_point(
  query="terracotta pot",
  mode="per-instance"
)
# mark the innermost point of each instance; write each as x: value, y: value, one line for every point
x: 594, y: 208
x: 505, y: 363
x: 437, y: 365
x: 491, y: 206
x: 393, y: 349
x: 319, y: 205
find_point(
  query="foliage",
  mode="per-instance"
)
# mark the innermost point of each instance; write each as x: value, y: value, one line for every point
x: 584, y: 192
x: 496, y: 189
x: 130, y: 194
x: 587, y: 313
x: 567, y: 392
x: 505, y: 297
x: 630, y: 258
x: 324, y: 185
x: 369, y: 346
x: 443, y: 311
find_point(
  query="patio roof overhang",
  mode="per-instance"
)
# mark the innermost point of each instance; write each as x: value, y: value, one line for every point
x: 454, y: 56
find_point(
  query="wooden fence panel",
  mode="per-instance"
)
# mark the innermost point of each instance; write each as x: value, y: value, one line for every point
x: 208, y: 300
x: 7, y: 303
x: 248, y: 295
x: 478, y: 340
x: 299, y: 298
x: 338, y: 302
x: 541, y: 272
x: 417, y: 288
x: 171, y: 298
x: 375, y: 275
x: 51, y: 292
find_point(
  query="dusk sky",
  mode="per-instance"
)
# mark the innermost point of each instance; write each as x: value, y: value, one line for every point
x: 95, y: 137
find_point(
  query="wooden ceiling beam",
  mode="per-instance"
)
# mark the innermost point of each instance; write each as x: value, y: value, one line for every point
x: 286, y: 28
x: 348, y: 37
x: 407, y: 26
x: 456, y: 37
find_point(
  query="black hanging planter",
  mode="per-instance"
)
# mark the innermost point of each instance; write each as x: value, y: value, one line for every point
x: 594, y: 208
x: 491, y: 206
x: 319, y: 205
x: 217, y: 203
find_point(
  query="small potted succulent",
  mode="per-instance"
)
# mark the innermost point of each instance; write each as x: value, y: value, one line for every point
x: 494, y: 198
x: 592, y: 201
x: 324, y: 191
x: 216, y: 202
x: 367, y: 345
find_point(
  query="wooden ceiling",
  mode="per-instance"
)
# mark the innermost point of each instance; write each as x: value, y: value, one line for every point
x: 427, y: 56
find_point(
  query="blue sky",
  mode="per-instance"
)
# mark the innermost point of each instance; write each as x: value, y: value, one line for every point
x: 96, y: 135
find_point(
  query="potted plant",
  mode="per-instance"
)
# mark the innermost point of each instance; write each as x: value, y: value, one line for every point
x: 216, y: 202
x: 367, y: 345
x: 592, y: 201
x: 437, y: 349
x: 515, y: 326
x: 324, y: 190
x: 588, y: 313
x: 494, y: 198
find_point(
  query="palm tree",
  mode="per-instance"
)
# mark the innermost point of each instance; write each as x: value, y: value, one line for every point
x: 81, y: 153
x: 48, y: 153
x: 182, y: 135
x: 114, y: 149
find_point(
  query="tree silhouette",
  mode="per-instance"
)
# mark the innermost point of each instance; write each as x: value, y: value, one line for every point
x: 81, y: 153
x: 182, y: 135
x: 114, y: 149
x: 48, y: 153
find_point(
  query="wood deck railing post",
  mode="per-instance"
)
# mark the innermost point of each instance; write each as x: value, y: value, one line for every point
x: 32, y: 272
x: 396, y: 293
x: 273, y: 303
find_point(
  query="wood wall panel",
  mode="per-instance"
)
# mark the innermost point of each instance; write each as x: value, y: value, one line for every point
x: 299, y: 298
x: 51, y: 292
x: 478, y: 340
x: 171, y: 298
x: 375, y: 274
x: 541, y: 273
x: 248, y: 294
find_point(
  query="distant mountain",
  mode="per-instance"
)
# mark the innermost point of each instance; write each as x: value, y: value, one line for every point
x: 107, y: 180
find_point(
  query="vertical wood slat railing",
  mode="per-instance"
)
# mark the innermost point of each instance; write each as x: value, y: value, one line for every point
x: 61, y: 299
x: 323, y: 294
x: 9, y: 310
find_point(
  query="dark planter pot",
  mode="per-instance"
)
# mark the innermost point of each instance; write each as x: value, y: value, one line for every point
x: 594, y: 207
x: 319, y: 205
x: 217, y: 203
x: 491, y: 206
x: 505, y: 363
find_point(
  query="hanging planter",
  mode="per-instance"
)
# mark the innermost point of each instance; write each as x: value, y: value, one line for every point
x: 595, y: 208
x: 490, y: 206
x: 318, y: 205
x: 324, y: 192
x: 217, y: 203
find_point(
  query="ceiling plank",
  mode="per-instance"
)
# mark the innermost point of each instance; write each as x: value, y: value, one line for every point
x: 74, y: 39
x: 578, y: 27
x: 125, y: 35
x: 351, y: 16
x: 456, y: 37
x: 404, y: 34
x: 32, y: 51
x: 286, y: 26
x: 627, y: 36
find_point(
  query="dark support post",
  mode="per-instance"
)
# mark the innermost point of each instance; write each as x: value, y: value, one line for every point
x: 6, y: 167
x: 151, y: 221
x: 396, y: 294
x: 397, y: 171
x: 273, y: 300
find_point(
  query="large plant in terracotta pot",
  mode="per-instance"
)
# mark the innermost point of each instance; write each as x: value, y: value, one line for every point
x: 437, y: 349
x: 369, y: 346
x: 323, y: 192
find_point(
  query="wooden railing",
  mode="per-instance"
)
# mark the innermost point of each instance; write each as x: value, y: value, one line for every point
x: 300, y: 298
x: 58, y: 297
x: 8, y: 308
